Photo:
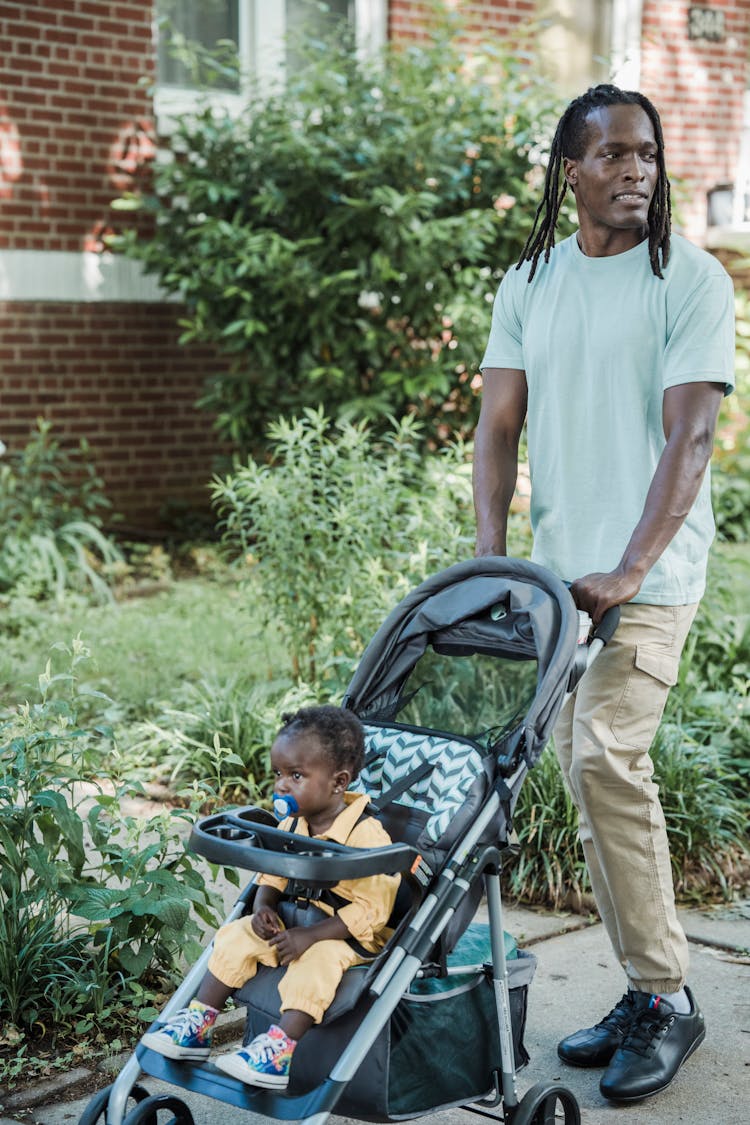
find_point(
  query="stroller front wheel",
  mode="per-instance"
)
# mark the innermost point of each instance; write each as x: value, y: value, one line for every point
x: 147, y: 1111
x: 547, y: 1104
x: 97, y: 1107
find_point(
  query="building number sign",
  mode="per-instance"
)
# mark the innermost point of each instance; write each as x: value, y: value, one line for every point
x: 706, y: 23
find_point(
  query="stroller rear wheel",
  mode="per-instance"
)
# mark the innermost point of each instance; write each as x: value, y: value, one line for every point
x: 544, y: 1103
x: 147, y: 1112
x: 98, y: 1105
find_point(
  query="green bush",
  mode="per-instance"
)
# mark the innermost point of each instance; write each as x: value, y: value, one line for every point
x: 338, y: 527
x: 95, y: 906
x: 51, y: 508
x: 731, y: 468
x: 217, y: 732
x: 342, y: 240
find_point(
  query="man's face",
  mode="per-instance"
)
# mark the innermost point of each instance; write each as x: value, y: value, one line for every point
x: 615, y: 178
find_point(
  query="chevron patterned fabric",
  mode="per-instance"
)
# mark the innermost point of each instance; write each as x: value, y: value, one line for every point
x: 456, y: 765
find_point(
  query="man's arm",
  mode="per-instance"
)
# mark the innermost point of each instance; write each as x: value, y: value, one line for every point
x: 501, y: 418
x: 689, y: 416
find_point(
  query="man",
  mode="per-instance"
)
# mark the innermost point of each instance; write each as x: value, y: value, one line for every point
x: 617, y: 346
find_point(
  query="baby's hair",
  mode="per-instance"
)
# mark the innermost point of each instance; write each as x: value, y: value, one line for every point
x: 339, y: 731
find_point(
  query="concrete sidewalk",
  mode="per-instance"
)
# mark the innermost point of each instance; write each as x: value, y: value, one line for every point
x: 576, y: 982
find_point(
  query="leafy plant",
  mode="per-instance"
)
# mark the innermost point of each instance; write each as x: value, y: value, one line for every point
x: 707, y: 823
x: 220, y: 735
x: 731, y: 469
x: 342, y: 240
x: 51, y: 506
x: 95, y: 906
x: 338, y: 526
x: 550, y: 867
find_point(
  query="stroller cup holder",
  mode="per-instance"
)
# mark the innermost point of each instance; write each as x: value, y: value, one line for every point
x: 249, y: 838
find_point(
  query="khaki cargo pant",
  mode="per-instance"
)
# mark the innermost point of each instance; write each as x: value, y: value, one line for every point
x: 602, y: 737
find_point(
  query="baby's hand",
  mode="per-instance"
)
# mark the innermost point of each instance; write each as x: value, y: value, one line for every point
x: 266, y: 923
x: 291, y: 944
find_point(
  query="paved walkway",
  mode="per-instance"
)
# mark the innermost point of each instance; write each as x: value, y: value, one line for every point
x: 576, y: 982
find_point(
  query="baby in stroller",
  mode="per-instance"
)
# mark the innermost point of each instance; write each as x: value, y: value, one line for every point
x: 316, y: 755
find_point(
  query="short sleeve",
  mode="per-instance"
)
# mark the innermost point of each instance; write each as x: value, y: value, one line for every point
x: 505, y: 343
x: 700, y: 344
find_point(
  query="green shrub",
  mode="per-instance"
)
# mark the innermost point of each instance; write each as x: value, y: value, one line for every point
x: 95, y: 906
x: 219, y: 733
x: 731, y: 468
x: 342, y: 240
x: 338, y: 527
x: 706, y: 820
x: 51, y: 507
x: 549, y: 868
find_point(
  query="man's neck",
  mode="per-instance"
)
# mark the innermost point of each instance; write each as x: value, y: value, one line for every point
x: 605, y: 242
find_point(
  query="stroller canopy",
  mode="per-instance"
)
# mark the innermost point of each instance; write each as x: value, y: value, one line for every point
x: 492, y: 605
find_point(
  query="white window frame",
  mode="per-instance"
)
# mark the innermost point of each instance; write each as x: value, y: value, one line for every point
x: 262, y: 30
x: 627, y: 31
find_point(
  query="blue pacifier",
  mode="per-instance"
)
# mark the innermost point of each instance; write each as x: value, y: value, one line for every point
x: 284, y: 806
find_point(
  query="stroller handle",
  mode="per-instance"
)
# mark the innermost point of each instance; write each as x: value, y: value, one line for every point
x: 248, y: 838
x: 605, y: 630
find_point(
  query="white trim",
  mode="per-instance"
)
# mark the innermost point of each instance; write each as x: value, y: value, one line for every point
x: 371, y: 23
x: 735, y: 238
x: 627, y: 32
x: 57, y: 275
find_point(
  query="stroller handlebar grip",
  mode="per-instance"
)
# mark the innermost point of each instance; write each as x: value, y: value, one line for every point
x: 606, y: 628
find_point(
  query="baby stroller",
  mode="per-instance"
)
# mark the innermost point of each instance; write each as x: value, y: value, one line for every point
x: 437, y: 1018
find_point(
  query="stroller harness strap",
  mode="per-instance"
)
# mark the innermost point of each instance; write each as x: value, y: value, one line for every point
x: 305, y: 897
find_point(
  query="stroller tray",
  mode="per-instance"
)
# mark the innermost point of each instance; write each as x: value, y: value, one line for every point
x: 248, y: 838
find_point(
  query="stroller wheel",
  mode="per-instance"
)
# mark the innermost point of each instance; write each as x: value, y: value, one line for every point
x: 547, y: 1104
x: 98, y: 1105
x: 147, y: 1112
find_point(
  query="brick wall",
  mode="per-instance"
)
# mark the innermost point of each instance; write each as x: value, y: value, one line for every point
x: 698, y: 88
x: 487, y: 18
x: 114, y: 373
x: 74, y: 121
x: 75, y: 131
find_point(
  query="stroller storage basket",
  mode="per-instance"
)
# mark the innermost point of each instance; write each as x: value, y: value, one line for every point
x: 413, y: 1067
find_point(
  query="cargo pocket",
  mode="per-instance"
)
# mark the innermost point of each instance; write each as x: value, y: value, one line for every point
x: 643, y: 699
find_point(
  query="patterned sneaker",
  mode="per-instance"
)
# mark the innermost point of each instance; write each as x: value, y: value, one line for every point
x: 187, y: 1035
x: 263, y: 1062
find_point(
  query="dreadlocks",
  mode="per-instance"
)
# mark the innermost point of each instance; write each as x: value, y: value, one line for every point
x: 570, y: 141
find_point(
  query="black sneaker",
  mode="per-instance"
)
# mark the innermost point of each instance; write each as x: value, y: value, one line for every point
x: 595, y: 1046
x: 659, y: 1041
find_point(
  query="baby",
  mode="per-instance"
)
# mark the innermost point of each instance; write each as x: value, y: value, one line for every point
x: 317, y: 753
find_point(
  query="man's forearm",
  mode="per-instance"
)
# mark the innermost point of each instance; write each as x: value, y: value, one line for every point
x: 495, y: 472
x: 496, y: 455
x: 673, y: 491
x: 689, y: 422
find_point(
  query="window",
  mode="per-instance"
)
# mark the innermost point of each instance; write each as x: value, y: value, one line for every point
x: 260, y: 33
x: 582, y: 42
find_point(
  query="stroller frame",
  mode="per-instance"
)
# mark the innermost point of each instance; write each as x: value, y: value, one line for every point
x: 389, y: 984
x: 246, y: 838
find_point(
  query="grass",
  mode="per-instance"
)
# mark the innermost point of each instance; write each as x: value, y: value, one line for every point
x: 145, y: 649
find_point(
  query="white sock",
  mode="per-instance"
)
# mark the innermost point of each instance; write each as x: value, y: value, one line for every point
x: 680, y: 1001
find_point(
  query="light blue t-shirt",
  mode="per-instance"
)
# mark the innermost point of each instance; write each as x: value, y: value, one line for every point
x: 600, y: 339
